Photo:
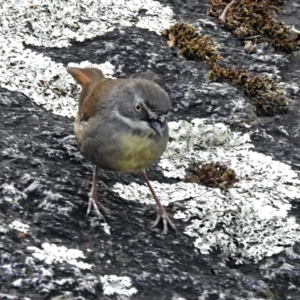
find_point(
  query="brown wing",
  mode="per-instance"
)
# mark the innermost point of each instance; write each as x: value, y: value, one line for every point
x: 94, y: 85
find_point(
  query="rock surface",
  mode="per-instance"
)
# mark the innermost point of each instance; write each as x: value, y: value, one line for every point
x: 45, y: 181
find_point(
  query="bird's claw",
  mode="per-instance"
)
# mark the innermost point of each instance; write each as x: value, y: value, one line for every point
x: 96, y: 205
x: 162, y: 215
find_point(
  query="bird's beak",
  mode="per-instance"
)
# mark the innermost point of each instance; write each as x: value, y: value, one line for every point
x: 156, y: 126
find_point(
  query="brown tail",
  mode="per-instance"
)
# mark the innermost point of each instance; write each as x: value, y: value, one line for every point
x: 85, y: 75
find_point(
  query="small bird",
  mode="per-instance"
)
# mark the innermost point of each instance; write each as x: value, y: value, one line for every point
x: 121, y: 126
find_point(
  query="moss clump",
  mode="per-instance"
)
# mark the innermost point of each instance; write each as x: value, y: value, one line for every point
x: 190, y: 43
x: 248, y: 18
x: 263, y: 91
x: 212, y: 175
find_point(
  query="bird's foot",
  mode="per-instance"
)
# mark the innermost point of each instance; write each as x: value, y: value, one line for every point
x: 162, y: 215
x: 96, y: 205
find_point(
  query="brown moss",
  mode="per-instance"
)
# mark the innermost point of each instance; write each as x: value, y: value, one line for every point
x: 191, y: 44
x: 248, y: 18
x: 212, y: 175
x: 264, y: 93
x: 267, y: 98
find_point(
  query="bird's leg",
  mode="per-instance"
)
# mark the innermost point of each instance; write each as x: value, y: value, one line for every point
x: 93, y: 201
x: 160, y: 210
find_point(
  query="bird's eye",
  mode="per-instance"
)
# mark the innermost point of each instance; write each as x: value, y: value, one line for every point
x: 137, y: 107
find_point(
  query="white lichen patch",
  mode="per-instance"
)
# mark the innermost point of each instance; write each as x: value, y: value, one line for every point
x: 52, y: 254
x: 57, y: 24
x: 95, y: 222
x: 106, y: 228
x: 249, y: 221
x: 200, y: 142
x: 121, y: 285
x: 19, y: 226
x: 45, y: 82
x: 9, y: 193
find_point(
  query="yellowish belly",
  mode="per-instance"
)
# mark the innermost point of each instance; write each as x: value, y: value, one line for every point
x: 122, y: 152
x: 138, y: 152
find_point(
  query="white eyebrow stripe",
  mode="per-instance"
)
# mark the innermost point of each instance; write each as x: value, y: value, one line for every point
x: 136, y: 124
x: 162, y: 118
x: 151, y: 114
